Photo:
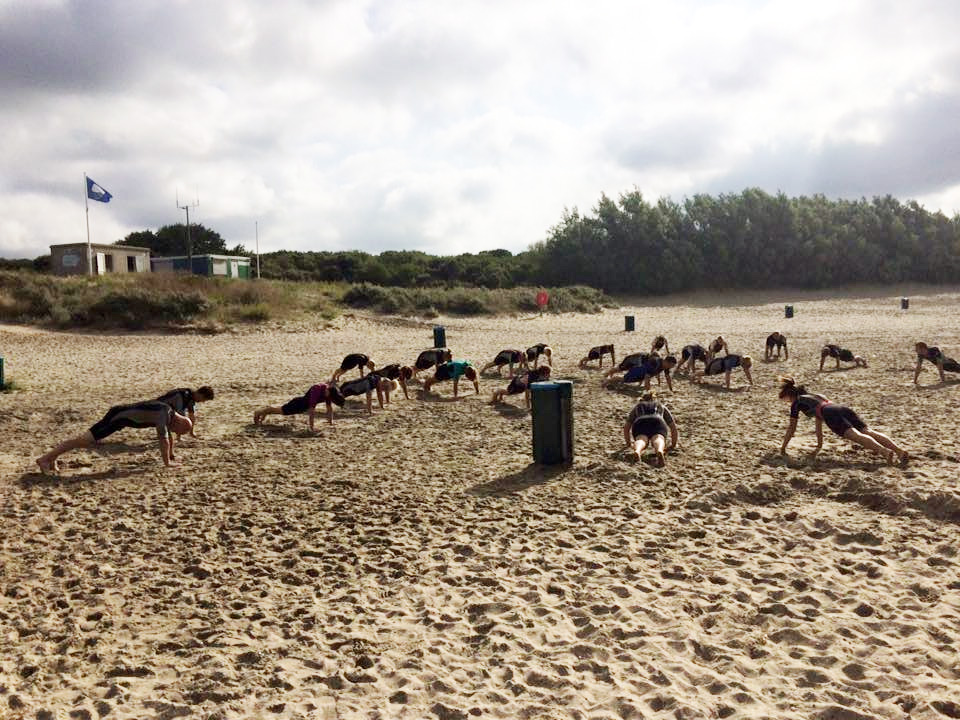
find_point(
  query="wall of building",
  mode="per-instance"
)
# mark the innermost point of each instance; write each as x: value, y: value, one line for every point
x: 72, y: 259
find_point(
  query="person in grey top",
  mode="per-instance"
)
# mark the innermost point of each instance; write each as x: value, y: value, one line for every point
x: 648, y: 424
x: 152, y: 413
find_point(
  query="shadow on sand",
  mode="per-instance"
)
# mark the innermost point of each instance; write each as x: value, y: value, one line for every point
x: 532, y: 475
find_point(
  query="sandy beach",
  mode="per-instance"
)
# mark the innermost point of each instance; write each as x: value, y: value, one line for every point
x: 416, y: 563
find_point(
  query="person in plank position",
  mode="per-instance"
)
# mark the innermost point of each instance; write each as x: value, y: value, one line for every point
x: 597, y: 353
x: 351, y: 361
x: 149, y: 414
x: 935, y: 357
x: 306, y: 403
x: 507, y: 357
x: 647, y: 425
x: 835, y: 351
x: 454, y: 370
x: 839, y: 418
x: 776, y: 341
x: 521, y: 384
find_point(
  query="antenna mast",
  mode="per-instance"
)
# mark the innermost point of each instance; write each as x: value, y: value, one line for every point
x: 189, y: 243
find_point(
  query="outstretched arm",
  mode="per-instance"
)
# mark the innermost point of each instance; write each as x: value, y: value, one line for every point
x: 940, y: 368
x: 819, y: 437
x: 916, y: 370
x: 166, y: 447
x: 193, y: 423
x: 674, y: 436
x: 791, y: 429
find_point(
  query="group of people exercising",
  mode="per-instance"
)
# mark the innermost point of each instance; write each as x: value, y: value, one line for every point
x: 648, y: 424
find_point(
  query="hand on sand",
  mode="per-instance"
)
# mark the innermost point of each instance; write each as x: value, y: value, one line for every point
x: 47, y: 467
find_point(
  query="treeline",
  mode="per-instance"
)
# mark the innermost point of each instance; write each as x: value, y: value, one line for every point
x: 746, y: 240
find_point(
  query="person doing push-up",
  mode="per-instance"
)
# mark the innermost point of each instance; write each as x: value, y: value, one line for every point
x: 153, y: 413
x: 306, y: 403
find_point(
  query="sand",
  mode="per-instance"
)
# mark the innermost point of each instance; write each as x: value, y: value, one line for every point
x: 416, y: 564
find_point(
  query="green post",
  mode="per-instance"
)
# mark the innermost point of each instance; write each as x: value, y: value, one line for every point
x: 3, y: 382
x: 552, y: 406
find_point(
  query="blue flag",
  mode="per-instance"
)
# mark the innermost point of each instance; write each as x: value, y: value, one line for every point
x: 95, y: 192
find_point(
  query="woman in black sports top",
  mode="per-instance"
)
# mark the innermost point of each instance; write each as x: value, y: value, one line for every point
x: 726, y: 364
x: 351, y: 361
x: 835, y: 351
x: 840, y: 419
x: 936, y: 357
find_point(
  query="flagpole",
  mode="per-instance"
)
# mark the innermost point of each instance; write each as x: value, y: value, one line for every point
x: 86, y: 206
x: 256, y: 227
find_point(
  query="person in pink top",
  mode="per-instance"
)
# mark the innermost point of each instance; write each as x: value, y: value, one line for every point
x: 306, y: 403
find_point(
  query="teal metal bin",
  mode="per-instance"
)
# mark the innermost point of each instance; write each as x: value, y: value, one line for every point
x: 552, y: 406
x: 439, y: 336
x: 788, y: 311
x: 628, y: 323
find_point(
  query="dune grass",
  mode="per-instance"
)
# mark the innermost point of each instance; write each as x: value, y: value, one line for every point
x: 172, y: 301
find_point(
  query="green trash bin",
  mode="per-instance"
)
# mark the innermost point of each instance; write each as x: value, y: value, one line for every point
x: 439, y: 336
x: 904, y: 303
x: 552, y: 407
x: 628, y: 324
x: 788, y: 311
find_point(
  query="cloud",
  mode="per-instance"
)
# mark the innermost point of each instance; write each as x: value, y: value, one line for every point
x: 452, y: 127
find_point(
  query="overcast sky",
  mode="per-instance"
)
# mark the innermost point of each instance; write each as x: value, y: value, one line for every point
x: 456, y: 126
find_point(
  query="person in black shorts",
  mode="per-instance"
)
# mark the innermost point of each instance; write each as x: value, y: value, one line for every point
x: 429, y: 358
x: 535, y: 351
x: 184, y: 401
x: 660, y: 343
x: 778, y: 341
x: 936, y: 357
x: 597, y: 353
x: 689, y: 356
x: 840, y: 419
x: 726, y: 364
x: 401, y: 373
x: 306, y: 403
x: 715, y: 347
x: 351, y: 361
x: 152, y: 413
x: 372, y: 383
x: 835, y: 351
x: 647, y: 425
x: 653, y: 367
x: 521, y: 384
x: 507, y: 357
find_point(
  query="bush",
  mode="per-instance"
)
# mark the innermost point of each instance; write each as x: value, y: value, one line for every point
x: 138, y: 309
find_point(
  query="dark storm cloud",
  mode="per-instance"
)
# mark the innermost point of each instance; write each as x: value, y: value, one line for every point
x: 918, y: 154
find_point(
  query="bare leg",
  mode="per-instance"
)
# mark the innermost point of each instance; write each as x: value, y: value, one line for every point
x: 868, y: 442
x: 260, y: 414
x: 48, y: 462
x: 639, y: 443
x: 886, y: 441
x: 659, y: 443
